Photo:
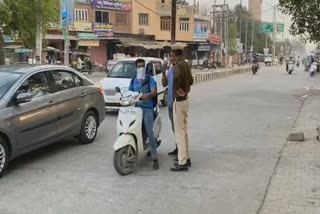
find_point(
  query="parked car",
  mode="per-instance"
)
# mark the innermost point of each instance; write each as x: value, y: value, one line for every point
x: 40, y: 105
x: 122, y: 73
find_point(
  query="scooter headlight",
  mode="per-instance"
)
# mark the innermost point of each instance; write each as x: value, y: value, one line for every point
x: 124, y: 90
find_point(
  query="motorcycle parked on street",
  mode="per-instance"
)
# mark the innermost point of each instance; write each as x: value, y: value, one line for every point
x: 131, y: 144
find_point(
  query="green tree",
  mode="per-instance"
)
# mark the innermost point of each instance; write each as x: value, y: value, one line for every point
x: 259, y: 38
x: 21, y: 18
x: 233, y: 33
x: 305, y: 18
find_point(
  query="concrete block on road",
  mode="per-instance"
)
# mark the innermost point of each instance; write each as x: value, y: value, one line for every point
x: 296, y: 136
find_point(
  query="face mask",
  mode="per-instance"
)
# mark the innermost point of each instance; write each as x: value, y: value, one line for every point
x: 141, y: 73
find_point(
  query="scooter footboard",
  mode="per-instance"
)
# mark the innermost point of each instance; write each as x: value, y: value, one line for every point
x: 125, y: 140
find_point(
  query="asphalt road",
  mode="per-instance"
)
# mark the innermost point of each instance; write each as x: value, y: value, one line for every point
x: 237, y: 126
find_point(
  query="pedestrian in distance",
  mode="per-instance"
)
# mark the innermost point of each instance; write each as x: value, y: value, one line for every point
x: 167, y: 81
x: 181, y: 87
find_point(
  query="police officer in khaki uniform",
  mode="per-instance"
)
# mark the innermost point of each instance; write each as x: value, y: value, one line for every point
x: 182, y: 83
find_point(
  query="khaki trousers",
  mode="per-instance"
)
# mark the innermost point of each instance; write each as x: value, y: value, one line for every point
x: 181, y: 110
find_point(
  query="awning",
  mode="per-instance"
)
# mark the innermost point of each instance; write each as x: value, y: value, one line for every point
x: 59, y: 37
x: 51, y: 49
x: 89, y: 43
x: 12, y: 47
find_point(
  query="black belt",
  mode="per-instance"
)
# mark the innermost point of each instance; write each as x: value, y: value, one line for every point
x: 180, y: 99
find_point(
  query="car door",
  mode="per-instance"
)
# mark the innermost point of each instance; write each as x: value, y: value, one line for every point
x: 68, y: 98
x: 157, y: 67
x: 34, y: 121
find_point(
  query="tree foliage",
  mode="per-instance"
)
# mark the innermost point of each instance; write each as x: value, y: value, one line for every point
x: 19, y: 17
x: 253, y: 26
x: 305, y: 17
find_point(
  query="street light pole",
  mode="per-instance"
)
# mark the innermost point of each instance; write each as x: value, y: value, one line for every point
x: 274, y: 32
x: 173, y: 21
x: 246, y: 39
x: 39, y: 34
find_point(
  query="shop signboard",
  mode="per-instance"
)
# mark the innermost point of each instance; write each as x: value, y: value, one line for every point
x: 214, y: 38
x: 119, y: 5
x: 81, y: 27
x: 200, y: 31
x: 204, y: 48
x: 103, y: 29
x: 66, y: 12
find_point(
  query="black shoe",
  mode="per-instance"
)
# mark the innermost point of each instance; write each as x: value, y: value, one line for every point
x: 179, y: 168
x: 173, y: 153
x: 188, y: 162
x: 155, y: 165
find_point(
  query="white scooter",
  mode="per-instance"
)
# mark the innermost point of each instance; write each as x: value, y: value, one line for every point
x: 313, y: 69
x: 130, y: 145
x: 290, y: 67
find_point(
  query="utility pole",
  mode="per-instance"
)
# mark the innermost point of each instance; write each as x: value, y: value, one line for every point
x: 251, y: 48
x: 266, y: 40
x: 274, y: 32
x: 246, y: 39
x: 39, y: 34
x: 173, y: 21
x: 282, y: 41
x: 240, y: 14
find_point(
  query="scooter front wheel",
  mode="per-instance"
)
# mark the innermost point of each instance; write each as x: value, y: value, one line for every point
x: 125, y: 160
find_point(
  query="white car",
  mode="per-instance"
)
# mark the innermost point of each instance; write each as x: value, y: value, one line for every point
x: 122, y: 73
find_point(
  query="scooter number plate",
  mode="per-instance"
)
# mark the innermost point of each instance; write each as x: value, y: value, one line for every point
x: 127, y: 111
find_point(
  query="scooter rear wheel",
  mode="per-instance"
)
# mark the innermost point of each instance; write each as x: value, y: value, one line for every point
x: 125, y: 160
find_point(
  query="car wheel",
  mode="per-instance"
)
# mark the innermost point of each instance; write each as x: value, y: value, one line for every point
x: 89, y: 128
x: 4, y: 156
x: 164, y: 102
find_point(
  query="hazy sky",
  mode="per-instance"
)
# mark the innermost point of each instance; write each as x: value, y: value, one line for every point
x: 266, y: 16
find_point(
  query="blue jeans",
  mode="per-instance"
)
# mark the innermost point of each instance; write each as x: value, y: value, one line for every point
x: 170, y: 111
x: 148, y: 125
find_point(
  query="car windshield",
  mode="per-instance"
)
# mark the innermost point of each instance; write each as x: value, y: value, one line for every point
x: 123, y: 69
x: 7, y: 79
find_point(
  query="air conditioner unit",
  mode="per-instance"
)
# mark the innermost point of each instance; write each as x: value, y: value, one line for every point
x: 141, y: 30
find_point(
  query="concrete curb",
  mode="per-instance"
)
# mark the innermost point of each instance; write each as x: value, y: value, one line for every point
x: 211, y: 75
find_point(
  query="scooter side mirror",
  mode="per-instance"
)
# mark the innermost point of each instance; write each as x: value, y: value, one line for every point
x: 118, y: 90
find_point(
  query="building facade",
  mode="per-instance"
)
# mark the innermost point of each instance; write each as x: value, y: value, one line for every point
x: 255, y: 8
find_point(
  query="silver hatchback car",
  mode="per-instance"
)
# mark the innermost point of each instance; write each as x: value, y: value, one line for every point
x: 40, y: 105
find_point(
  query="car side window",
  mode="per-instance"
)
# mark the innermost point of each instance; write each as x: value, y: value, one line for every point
x: 157, y: 67
x: 63, y: 80
x: 77, y: 80
x: 37, y: 85
x: 149, y: 69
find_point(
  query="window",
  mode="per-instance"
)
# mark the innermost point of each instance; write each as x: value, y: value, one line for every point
x: 163, y: 1
x: 7, y: 80
x: 184, y: 24
x: 81, y: 15
x: 78, y: 81
x: 123, y: 69
x: 63, y: 80
x: 102, y: 17
x: 157, y: 67
x: 122, y: 18
x: 165, y: 23
x: 149, y: 69
x: 37, y: 85
x: 143, y: 19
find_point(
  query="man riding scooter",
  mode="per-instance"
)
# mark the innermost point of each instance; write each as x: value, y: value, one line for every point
x: 146, y: 85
